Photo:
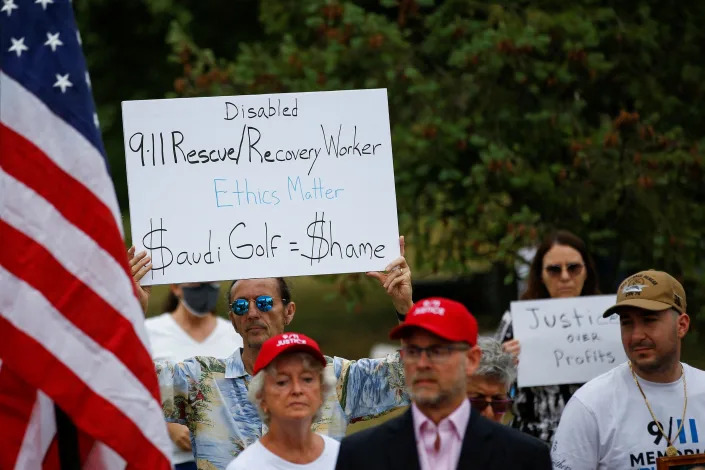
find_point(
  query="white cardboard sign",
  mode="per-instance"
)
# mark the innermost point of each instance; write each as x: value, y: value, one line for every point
x: 566, y: 341
x: 235, y: 187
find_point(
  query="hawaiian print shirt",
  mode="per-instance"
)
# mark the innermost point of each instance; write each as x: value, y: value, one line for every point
x: 209, y: 396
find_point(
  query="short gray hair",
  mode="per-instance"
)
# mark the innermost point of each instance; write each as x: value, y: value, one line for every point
x: 256, y: 387
x: 496, y: 363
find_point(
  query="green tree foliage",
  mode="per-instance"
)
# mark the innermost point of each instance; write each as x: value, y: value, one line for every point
x: 508, y: 118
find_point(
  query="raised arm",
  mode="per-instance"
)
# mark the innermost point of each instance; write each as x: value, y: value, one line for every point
x: 396, y: 280
x: 370, y: 387
x: 140, y: 264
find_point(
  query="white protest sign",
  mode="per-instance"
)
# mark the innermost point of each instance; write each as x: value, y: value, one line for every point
x: 261, y: 186
x: 565, y: 341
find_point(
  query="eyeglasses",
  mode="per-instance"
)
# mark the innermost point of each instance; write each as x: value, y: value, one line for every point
x: 555, y: 270
x: 264, y: 303
x: 499, y: 407
x: 436, y: 353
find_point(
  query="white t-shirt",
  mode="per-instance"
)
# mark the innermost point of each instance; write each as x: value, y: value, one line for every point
x: 170, y: 342
x: 606, y: 424
x: 258, y: 456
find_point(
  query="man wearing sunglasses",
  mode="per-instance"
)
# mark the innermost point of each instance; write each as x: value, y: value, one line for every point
x: 209, y: 395
x: 440, y: 431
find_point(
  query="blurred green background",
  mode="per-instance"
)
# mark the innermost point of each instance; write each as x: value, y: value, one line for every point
x: 338, y: 331
x: 509, y: 118
x: 323, y: 314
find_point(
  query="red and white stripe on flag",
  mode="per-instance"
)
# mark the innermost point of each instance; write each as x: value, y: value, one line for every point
x: 29, y: 431
x: 72, y: 328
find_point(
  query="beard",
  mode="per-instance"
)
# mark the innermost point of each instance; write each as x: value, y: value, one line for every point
x: 661, y: 361
x: 657, y: 364
x: 255, y: 340
x: 443, y: 393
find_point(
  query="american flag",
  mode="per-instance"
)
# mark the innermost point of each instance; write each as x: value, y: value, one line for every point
x: 71, y: 328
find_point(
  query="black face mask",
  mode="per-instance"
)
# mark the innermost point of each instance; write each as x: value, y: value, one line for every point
x: 200, y: 300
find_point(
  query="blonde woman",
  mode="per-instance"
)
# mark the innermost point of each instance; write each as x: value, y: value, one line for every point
x: 288, y: 388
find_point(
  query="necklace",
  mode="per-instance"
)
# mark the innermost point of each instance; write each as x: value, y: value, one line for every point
x: 671, y: 449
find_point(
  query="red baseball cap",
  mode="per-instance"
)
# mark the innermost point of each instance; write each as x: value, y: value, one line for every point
x: 285, y: 343
x: 443, y: 317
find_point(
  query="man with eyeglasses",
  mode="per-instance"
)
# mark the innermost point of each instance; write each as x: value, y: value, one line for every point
x: 209, y: 395
x: 440, y: 431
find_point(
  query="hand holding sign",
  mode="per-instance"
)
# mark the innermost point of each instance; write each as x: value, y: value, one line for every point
x: 396, y: 279
x: 513, y: 347
x: 140, y: 264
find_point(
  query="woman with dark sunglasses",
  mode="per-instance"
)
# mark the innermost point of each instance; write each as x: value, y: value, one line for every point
x: 562, y: 267
x: 488, y: 388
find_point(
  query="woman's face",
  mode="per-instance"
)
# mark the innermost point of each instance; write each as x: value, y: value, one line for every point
x: 294, y: 392
x: 563, y: 272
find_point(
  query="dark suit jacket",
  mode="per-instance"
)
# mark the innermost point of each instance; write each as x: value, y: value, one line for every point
x: 487, y: 445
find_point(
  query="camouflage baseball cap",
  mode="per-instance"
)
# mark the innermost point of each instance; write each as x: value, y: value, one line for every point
x: 649, y: 290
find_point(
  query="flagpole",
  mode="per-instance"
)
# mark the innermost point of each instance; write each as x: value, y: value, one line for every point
x: 67, y: 438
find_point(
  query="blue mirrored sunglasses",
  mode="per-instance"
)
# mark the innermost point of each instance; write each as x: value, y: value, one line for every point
x: 264, y: 303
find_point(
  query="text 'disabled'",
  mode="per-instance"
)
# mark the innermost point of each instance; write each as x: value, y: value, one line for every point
x: 263, y: 185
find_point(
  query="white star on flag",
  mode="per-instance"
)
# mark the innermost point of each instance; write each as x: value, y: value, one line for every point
x: 18, y: 46
x: 95, y: 120
x: 78, y: 37
x: 44, y: 3
x: 62, y: 81
x: 53, y: 41
x: 8, y: 6
x: 88, y: 79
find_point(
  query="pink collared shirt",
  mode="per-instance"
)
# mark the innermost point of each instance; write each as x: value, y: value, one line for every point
x: 450, y: 433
